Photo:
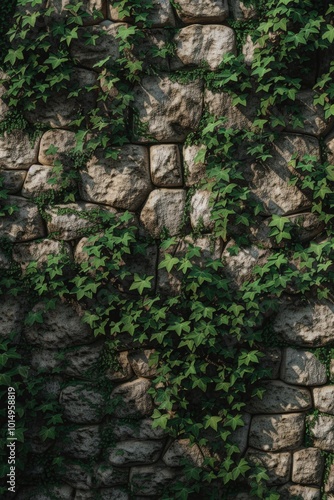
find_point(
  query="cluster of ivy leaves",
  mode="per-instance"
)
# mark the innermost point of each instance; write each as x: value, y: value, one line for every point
x: 208, y: 336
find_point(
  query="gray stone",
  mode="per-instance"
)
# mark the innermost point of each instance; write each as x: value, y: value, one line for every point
x: 202, y: 11
x: 248, y: 50
x: 200, y: 211
x: 120, y: 369
x: 302, y: 368
x: 151, y: 479
x: 12, y: 313
x: 277, y: 432
x: 12, y: 180
x: 104, y: 494
x: 63, y: 140
x: 123, y: 183
x: 306, y: 325
x: 80, y: 361
x: 181, y: 450
x: 164, y: 209
x: 78, y: 476
x: 289, y: 491
x: 61, y: 327
x: 194, y: 170
x: 308, y: 465
x: 142, y: 429
x: 41, y: 179
x: 329, y: 143
x: 167, y: 110
x: 165, y: 164
x: 324, y: 399
x: 131, y: 399
x: 39, y: 251
x: 46, y: 492
x: 277, y: 465
x: 153, y: 43
x: 24, y: 224
x: 106, y: 475
x: 16, y: 150
x: 84, y: 442
x: 329, y: 485
x: 322, y: 431
x: 279, y: 397
x: 82, y: 404
x: 197, y: 44
x: 242, y: 12
x: 160, y: 16
x: 45, y: 360
x: 141, y: 365
x: 239, y: 267
x: 240, y: 117
x: 133, y: 452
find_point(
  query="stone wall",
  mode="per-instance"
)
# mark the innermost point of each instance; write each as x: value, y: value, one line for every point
x: 109, y: 446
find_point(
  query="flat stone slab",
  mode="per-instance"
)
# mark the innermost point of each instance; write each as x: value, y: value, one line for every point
x: 279, y: 397
x: 308, y: 466
x: 301, y: 367
x: 277, y: 432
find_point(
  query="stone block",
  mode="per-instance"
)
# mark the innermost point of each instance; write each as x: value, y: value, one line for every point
x: 324, y: 399
x: 167, y: 111
x: 322, y: 431
x: 81, y: 443
x: 39, y: 251
x: 239, y: 268
x: 277, y: 432
x: 131, y: 399
x: 12, y: 314
x: 290, y: 491
x: 81, y: 361
x: 279, y: 397
x: 151, y: 480
x: 12, y: 180
x: 180, y: 451
x: 134, y: 452
x: 106, y: 475
x: 78, y: 476
x: 46, y: 492
x: 42, y: 179
x: 165, y: 161
x: 200, y: 211
x: 277, y: 465
x: 45, y: 360
x: 82, y: 404
x: 308, y: 465
x: 16, y: 150
x: 301, y: 367
x: 142, y: 429
x: 202, y: 11
x: 164, y: 209
x: 24, y: 224
x: 63, y: 140
x: 329, y: 484
x: 104, y: 494
x: 140, y: 364
x: 194, y: 171
x: 120, y: 369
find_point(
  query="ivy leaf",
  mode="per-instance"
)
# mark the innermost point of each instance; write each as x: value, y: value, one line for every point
x: 212, y: 422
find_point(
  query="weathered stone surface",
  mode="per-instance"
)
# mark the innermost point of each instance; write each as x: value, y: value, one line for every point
x: 165, y: 164
x: 219, y: 104
x: 16, y: 150
x: 312, y: 116
x: 24, y: 224
x: 280, y: 398
x: 154, y: 42
x: 167, y: 111
x: 308, y: 465
x: 198, y: 44
x: 277, y: 432
x: 63, y: 140
x: 329, y: 142
x: 107, y: 475
x: 104, y: 494
x: 45, y: 360
x: 5, y: 261
x: 61, y: 327
x: 12, y: 180
x: 164, y: 208
x: 89, y: 6
x: 139, y: 362
x: 77, y: 476
x: 277, y: 465
x: 239, y: 267
x: 161, y: 14
x: 40, y: 179
x: 106, y: 44
x: 329, y: 485
x: 123, y: 430
x: 200, y: 211
x: 310, y: 325
x: 68, y: 222
x: 84, y: 442
x: 82, y: 404
x: 46, y: 492
x: 248, y: 50
x: 132, y: 399
x: 290, y: 490
x: 121, y: 368
x: 324, y: 399
x: 302, y: 368
x: 80, y: 361
x: 181, y: 450
x: 202, y: 11
x: 123, y: 183
x: 322, y: 431
x: 39, y: 251
x: 135, y: 452
x: 12, y: 312
x: 240, y: 11
x: 151, y: 479
x: 194, y: 170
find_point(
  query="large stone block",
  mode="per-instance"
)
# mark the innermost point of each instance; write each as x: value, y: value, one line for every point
x: 46, y: 492
x: 12, y: 312
x: 322, y: 431
x: 134, y: 452
x: 308, y: 465
x: 279, y: 397
x: 41, y: 179
x: 24, y: 224
x: 39, y: 251
x: 143, y: 429
x: 62, y: 140
x: 239, y: 267
x: 197, y: 44
x: 200, y: 211
x: 165, y: 162
x: 277, y: 432
x: 306, y: 325
x: 131, y: 399
x: 202, y: 11
x: 180, y: 451
x: 81, y: 361
x: 324, y: 399
x: 167, y: 111
x: 106, y: 475
x: 12, y: 180
x: 151, y: 480
x: 17, y: 151
x: 78, y: 476
x: 82, y: 443
x: 290, y: 491
x: 194, y: 171
x: 277, y: 465
x: 164, y: 209
x: 329, y: 484
x: 302, y: 368
x: 122, y: 183
x: 82, y: 404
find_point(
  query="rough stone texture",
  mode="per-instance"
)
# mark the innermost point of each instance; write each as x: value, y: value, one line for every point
x: 39, y: 251
x: 165, y: 162
x: 107, y: 475
x: 84, y: 442
x: 322, y: 431
x: 329, y: 143
x: 240, y: 117
x: 77, y: 476
x: 312, y: 116
x: 181, y: 450
x: 324, y: 399
x: 131, y: 399
x: 40, y: 179
x: 122, y: 370
x: 240, y: 11
x: 63, y: 140
x: 197, y: 44
x: 46, y: 492
x: 239, y: 267
x: 194, y: 170
x: 289, y: 491
x: 329, y: 485
x: 81, y: 404
x: 280, y: 398
x: 24, y: 224
x: 135, y: 452
x: 277, y: 465
x: 277, y: 432
x: 12, y: 180
x: 16, y: 150
x: 164, y: 208
x: 154, y: 41
x: 200, y: 211
x: 306, y: 325
x: 167, y: 111
x: 123, y: 183
x: 61, y: 327
x: 45, y: 360
x: 68, y: 222
x: 302, y: 368
x: 12, y: 311
x: 80, y: 361
x: 104, y: 494
x: 123, y: 430
x: 151, y: 479
x: 139, y: 362
x: 161, y: 14
x: 308, y: 465
x: 202, y: 11
x: 248, y: 50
